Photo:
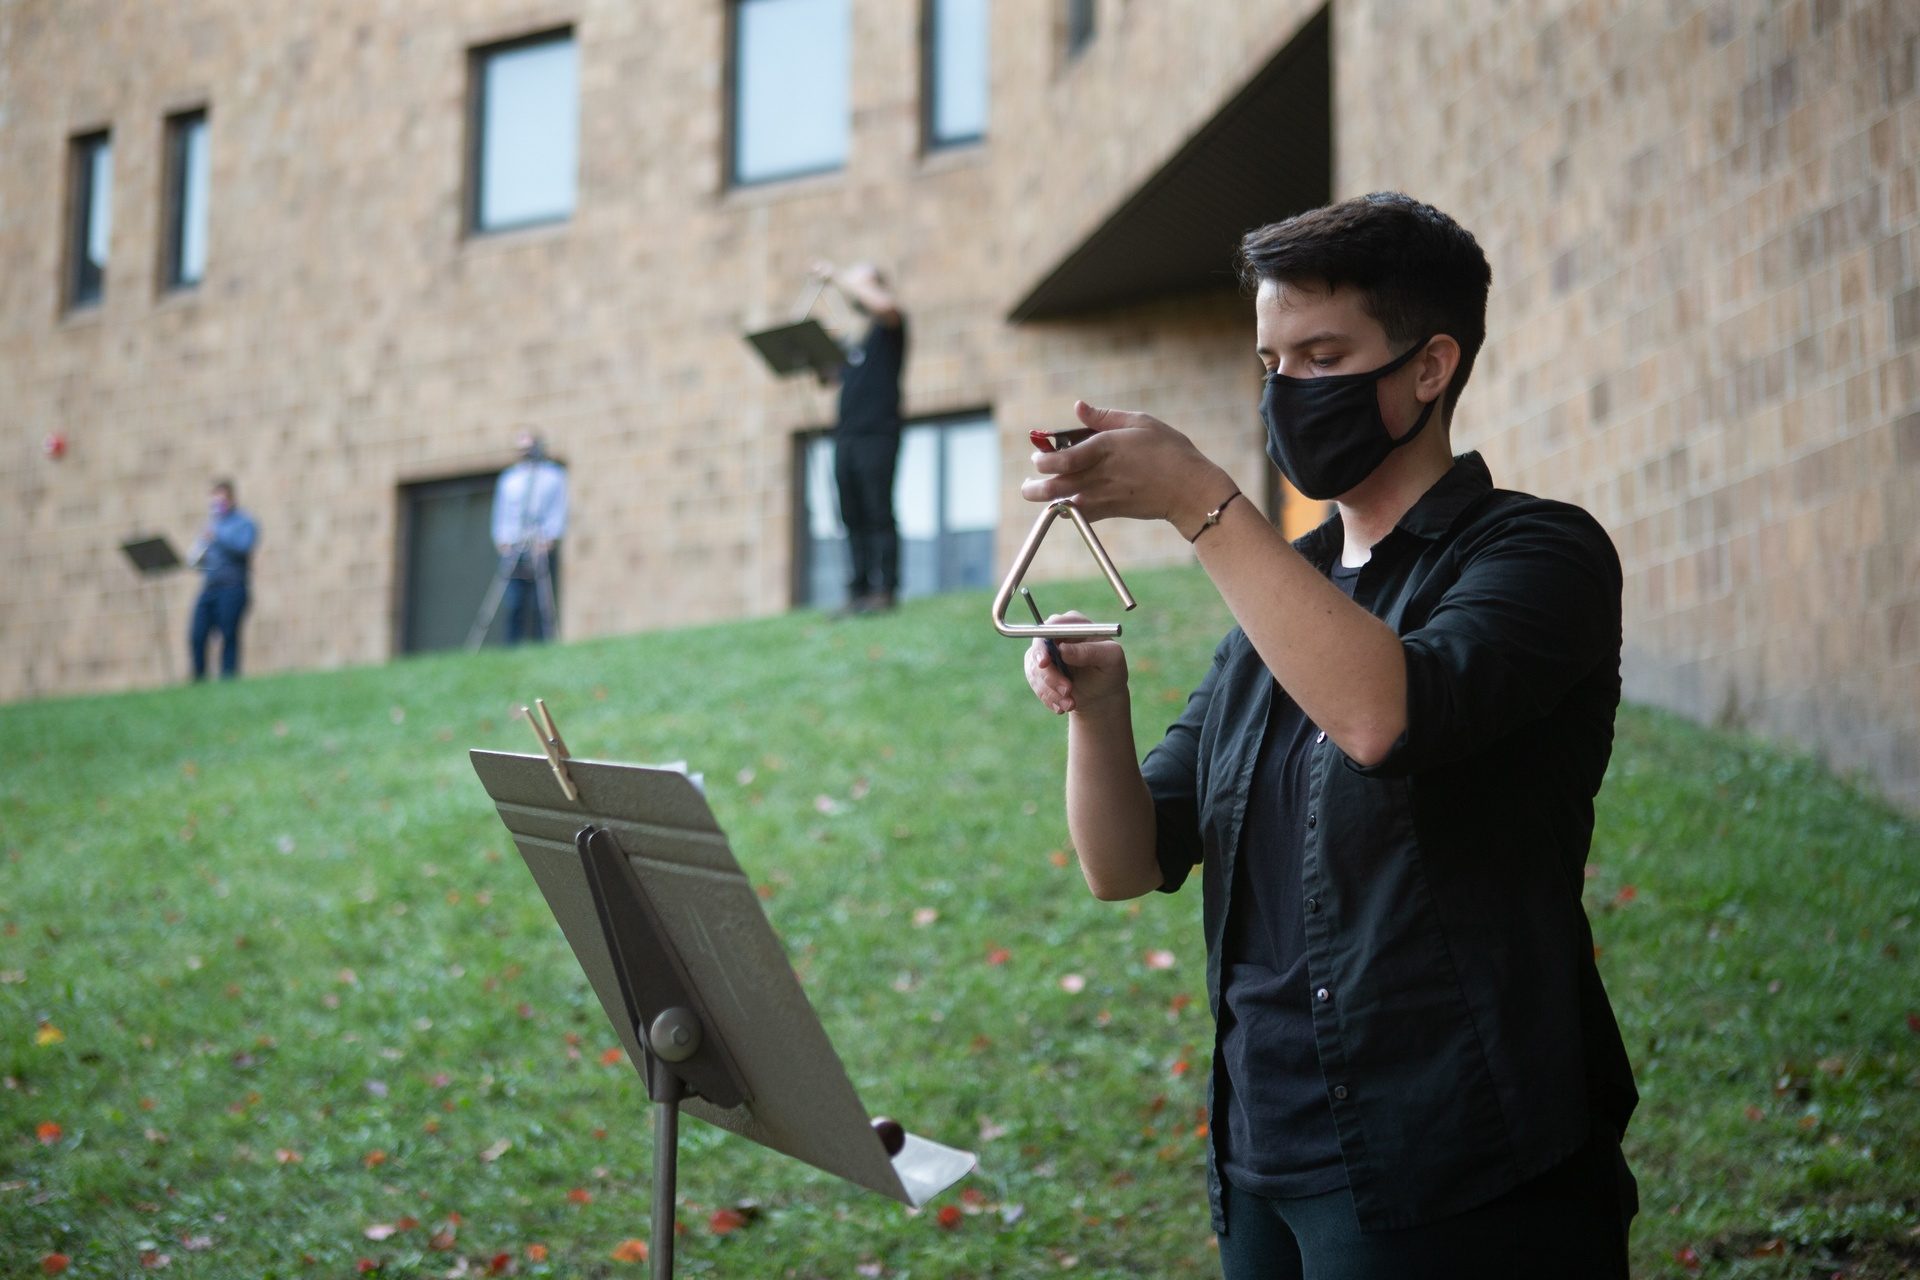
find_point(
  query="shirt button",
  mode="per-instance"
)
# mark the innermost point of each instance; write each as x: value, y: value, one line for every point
x: 1340, y: 1092
x: 1313, y: 905
x: 1323, y: 995
x: 1320, y: 737
x: 1313, y: 820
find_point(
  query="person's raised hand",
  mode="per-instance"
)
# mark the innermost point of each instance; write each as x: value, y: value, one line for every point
x: 1135, y: 466
x: 1099, y: 670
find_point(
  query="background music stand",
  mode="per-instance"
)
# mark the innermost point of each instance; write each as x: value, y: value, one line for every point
x: 802, y: 345
x: 153, y: 558
x: 677, y: 947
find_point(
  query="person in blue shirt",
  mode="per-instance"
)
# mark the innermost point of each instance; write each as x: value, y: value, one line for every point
x: 223, y: 552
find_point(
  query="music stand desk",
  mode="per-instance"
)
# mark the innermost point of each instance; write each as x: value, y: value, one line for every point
x: 151, y: 555
x: 802, y: 346
x: 664, y: 922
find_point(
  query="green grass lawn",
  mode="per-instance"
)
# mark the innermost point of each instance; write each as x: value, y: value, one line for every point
x: 278, y: 997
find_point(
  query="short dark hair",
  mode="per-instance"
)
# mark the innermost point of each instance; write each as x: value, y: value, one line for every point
x: 1418, y: 272
x: 225, y: 486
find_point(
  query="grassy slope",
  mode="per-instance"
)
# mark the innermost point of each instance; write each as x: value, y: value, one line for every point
x: 306, y: 986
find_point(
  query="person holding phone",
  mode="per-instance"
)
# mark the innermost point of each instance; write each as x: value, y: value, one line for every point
x: 866, y: 435
x: 1386, y: 780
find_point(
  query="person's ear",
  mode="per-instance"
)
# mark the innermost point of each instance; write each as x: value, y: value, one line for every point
x: 1436, y: 365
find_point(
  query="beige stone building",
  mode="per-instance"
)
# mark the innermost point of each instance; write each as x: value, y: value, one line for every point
x: 341, y: 252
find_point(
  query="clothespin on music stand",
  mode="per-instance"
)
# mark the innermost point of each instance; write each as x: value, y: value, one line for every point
x: 554, y: 746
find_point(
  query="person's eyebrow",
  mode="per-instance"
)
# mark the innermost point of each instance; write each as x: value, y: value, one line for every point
x: 1311, y: 340
x: 1325, y: 335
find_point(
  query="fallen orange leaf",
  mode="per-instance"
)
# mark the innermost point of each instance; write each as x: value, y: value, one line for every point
x: 500, y: 1264
x: 580, y: 1195
x: 46, y: 1035
x: 948, y: 1217
x: 374, y: 1159
x: 611, y: 1056
x: 536, y: 1253
x: 726, y: 1220
x: 998, y: 955
x: 631, y: 1251
x: 54, y: 1263
x: 283, y: 1155
x: 48, y: 1132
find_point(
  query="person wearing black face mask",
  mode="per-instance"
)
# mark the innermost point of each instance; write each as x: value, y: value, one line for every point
x: 1387, y: 782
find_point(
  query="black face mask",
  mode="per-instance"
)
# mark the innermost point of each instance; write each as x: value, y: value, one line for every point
x: 1325, y: 434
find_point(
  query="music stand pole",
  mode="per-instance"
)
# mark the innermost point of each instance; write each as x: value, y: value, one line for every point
x: 667, y: 1091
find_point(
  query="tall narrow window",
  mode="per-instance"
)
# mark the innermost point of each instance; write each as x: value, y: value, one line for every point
x: 957, y: 71
x: 184, y: 260
x: 790, y: 87
x: 1080, y: 25
x: 91, y: 184
x: 526, y: 126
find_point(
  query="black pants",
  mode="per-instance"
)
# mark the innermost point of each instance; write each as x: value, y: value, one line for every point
x: 863, y: 471
x: 219, y: 608
x: 1570, y: 1222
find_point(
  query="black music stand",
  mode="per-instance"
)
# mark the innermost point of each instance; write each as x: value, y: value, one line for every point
x: 677, y: 947
x: 802, y: 346
x: 154, y: 558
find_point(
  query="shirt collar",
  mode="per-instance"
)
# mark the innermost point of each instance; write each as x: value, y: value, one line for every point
x: 1429, y: 517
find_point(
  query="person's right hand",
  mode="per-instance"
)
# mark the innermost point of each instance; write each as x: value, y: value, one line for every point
x: 1099, y: 670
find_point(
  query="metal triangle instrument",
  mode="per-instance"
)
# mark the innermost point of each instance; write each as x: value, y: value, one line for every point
x: 1021, y: 562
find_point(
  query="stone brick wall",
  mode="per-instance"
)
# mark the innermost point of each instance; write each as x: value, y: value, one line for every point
x: 1706, y: 319
x: 349, y: 338
x: 1705, y: 231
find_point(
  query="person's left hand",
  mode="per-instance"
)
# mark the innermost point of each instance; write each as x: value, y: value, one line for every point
x: 1135, y: 466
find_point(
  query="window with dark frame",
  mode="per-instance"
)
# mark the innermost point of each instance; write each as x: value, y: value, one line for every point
x: 957, y: 71
x: 524, y: 132
x: 789, y: 73
x: 90, y: 182
x: 1080, y: 25
x: 946, y: 498
x: 183, y: 259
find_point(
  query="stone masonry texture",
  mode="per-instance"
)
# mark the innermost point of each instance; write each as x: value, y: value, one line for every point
x: 1703, y: 217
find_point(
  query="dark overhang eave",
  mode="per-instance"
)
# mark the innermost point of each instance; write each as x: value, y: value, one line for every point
x: 1264, y: 155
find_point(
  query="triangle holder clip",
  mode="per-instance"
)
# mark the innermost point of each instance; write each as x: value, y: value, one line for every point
x: 1057, y: 630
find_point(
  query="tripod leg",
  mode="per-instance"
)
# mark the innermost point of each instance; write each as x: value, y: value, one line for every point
x: 490, y: 605
x: 543, y: 585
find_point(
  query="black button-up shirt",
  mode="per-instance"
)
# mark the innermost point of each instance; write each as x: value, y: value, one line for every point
x: 1466, y: 1040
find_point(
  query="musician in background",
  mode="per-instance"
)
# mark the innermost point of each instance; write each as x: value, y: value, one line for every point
x: 529, y: 519
x: 223, y: 552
